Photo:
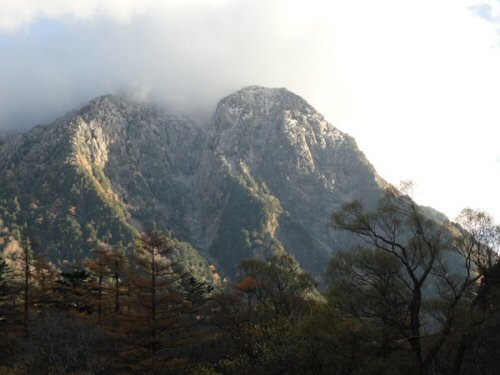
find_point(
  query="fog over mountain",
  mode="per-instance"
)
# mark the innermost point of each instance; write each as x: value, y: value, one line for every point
x: 184, y: 56
x: 370, y: 67
x: 263, y: 139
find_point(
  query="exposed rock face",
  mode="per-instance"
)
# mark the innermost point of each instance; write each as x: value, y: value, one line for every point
x: 110, y: 168
x: 303, y: 161
x: 152, y: 159
x: 262, y: 179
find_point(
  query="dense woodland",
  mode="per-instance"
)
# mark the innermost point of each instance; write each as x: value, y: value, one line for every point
x: 417, y: 297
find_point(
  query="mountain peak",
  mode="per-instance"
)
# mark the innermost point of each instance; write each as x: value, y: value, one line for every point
x: 109, y: 103
x: 262, y: 91
x: 263, y: 178
x: 107, y: 97
x: 263, y: 98
x: 254, y: 102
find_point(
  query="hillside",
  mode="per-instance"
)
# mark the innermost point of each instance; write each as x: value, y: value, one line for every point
x: 262, y: 178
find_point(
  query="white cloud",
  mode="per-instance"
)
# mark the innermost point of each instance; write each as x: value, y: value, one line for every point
x: 20, y: 14
x: 417, y: 83
x: 489, y: 11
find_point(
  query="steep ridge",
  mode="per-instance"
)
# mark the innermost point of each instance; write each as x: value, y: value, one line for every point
x: 262, y: 179
x: 152, y: 160
x: 112, y: 168
x: 298, y: 160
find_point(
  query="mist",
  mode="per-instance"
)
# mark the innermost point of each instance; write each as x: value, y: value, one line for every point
x: 184, y: 57
x: 401, y: 77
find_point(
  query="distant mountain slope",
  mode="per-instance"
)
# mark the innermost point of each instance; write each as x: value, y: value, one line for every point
x: 262, y: 178
x: 108, y: 168
x: 295, y: 156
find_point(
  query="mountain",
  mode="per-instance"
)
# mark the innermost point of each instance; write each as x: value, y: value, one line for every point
x: 281, y: 152
x: 99, y: 172
x: 261, y: 178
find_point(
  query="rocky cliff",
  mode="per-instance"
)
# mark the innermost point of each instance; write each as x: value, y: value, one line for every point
x: 262, y: 178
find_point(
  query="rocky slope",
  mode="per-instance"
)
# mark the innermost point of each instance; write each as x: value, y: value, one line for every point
x: 300, y: 163
x: 262, y: 178
x: 107, y: 170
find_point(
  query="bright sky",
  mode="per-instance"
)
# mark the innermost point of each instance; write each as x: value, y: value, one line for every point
x: 417, y: 83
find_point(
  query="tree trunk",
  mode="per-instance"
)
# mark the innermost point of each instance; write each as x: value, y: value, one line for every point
x: 117, y: 293
x: 26, y: 286
x: 99, y: 297
x: 153, y: 300
x: 415, y: 340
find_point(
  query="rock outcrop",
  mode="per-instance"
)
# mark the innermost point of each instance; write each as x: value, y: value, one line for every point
x: 262, y: 178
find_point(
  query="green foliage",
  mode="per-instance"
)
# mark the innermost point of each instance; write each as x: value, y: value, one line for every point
x: 247, y: 224
x: 5, y: 278
x: 403, y: 286
x: 57, y: 207
x: 369, y: 284
x: 152, y: 304
x: 277, y: 283
x: 190, y: 261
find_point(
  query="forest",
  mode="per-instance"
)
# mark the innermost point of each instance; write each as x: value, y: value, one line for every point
x: 413, y: 296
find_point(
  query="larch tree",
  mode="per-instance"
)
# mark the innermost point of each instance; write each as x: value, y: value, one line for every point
x: 153, y: 317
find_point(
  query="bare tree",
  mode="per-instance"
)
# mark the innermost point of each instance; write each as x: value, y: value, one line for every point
x: 434, y: 258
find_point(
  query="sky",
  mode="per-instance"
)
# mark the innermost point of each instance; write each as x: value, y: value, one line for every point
x: 417, y: 83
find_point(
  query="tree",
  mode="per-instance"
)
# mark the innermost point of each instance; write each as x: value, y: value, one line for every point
x: 45, y: 276
x: 438, y: 262
x: 155, y: 279
x: 278, y: 285
x: 6, y: 309
x: 258, y: 316
x: 4, y: 279
x: 74, y: 290
x: 154, y: 318
x: 63, y: 343
x: 196, y: 292
x: 108, y: 269
x: 27, y: 259
x: 479, y: 244
x: 22, y: 261
x: 367, y: 285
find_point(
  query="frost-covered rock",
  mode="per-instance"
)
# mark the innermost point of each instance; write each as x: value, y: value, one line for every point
x: 301, y: 159
x: 263, y: 178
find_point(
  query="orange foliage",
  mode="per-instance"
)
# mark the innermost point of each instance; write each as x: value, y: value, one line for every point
x: 248, y: 285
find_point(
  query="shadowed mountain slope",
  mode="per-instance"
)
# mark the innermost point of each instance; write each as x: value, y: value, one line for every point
x: 261, y: 179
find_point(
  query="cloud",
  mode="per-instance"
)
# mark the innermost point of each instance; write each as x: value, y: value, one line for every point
x: 487, y: 11
x: 16, y: 15
x: 401, y: 77
x: 185, y: 54
x: 19, y: 14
